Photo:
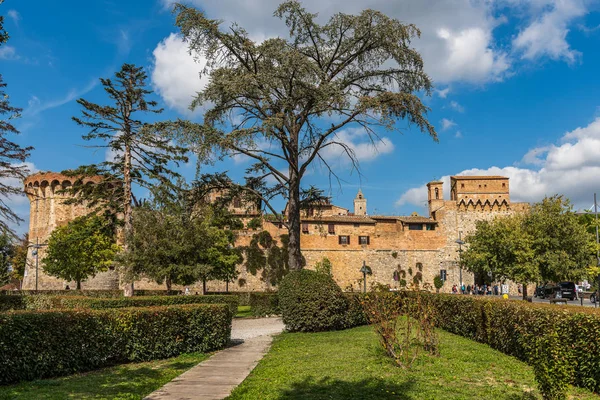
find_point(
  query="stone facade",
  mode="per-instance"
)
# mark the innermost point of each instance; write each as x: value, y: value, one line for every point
x: 386, y: 243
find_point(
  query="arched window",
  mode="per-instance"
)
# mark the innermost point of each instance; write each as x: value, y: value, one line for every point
x: 437, y: 193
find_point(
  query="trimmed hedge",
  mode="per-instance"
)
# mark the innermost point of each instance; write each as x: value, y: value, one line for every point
x: 44, y: 344
x: 11, y: 302
x: 355, y: 314
x: 264, y: 304
x: 534, y: 333
x: 41, y: 302
x: 311, y: 302
x: 88, y: 293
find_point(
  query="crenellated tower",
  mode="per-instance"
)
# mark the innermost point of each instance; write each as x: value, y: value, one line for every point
x: 48, y: 211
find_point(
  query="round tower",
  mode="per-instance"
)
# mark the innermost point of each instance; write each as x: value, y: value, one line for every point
x: 48, y: 211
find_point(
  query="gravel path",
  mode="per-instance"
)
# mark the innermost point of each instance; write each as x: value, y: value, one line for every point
x: 247, y: 328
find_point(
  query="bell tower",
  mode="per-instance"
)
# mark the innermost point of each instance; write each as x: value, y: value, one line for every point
x: 435, y: 197
x: 360, y: 204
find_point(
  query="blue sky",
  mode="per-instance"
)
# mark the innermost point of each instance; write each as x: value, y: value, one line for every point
x: 516, y: 88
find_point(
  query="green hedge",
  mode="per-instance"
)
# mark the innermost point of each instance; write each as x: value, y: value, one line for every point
x: 41, y: 302
x: 264, y: 304
x: 355, y: 314
x: 43, y: 344
x: 88, y: 293
x: 99, y: 304
x: 526, y: 331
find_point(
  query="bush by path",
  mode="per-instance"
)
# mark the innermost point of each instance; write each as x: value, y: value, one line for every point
x: 41, y: 344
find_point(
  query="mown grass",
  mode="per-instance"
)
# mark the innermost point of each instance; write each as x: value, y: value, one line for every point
x: 243, y: 312
x: 122, y: 382
x: 351, y: 365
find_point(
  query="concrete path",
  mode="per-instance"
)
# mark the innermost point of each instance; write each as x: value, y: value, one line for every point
x: 216, y: 377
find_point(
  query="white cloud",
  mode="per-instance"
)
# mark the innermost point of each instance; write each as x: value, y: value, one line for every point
x: 458, y: 135
x: 443, y: 93
x: 357, y: 141
x: 546, y: 35
x: 14, y: 15
x: 456, y: 106
x: 8, y: 53
x: 176, y: 75
x: 447, y: 124
x: 36, y: 106
x: 570, y: 167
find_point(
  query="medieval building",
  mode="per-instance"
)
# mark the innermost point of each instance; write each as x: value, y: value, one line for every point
x: 386, y: 243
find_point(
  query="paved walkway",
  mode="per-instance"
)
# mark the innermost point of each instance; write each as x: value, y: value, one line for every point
x: 216, y: 377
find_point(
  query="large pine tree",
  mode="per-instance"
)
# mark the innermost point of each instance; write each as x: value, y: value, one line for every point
x: 12, y: 156
x: 136, y: 157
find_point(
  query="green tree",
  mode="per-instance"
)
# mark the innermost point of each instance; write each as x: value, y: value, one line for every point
x: 563, y: 247
x: 80, y: 249
x: 177, y: 241
x: 292, y: 96
x: 140, y: 158
x: 502, y: 248
x: 7, y: 249
x: 12, y: 155
x: 18, y: 260
x: 265, y: 255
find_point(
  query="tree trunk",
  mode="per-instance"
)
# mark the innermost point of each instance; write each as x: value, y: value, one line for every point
x: 168, y: 283
x: 294, y: 253
x: 203, y: 286
x: 524, y: 291
x: 78, y: 285
x: 227, y: 286
x: 127, y: 211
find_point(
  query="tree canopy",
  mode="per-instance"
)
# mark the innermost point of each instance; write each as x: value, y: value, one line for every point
x: 283, y: 101
x: 80, y: 249
x: 548, y: 243
x: 180, y: 241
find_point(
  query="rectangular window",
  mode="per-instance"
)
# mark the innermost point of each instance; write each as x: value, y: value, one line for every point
x: 344, y: 239
x: 363, y: 240
x: 415, y: 227
x: 331, y: 229
x: 237, y: 203
x: 304, y: 227
x: 431, y: 227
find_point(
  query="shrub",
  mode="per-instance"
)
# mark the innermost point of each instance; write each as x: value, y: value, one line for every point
x: 520, y: 329
x: 11, y: 302
x: 323, y: 266
x: 88, y: 293
x: 43, y: 344
x: 243, y: 297
x: 311, y: 302
x: 355, y: 314
x: 99, y: 304
x: 264, y: 304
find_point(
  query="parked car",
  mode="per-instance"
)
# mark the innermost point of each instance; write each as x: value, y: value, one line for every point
x: 564, y: 290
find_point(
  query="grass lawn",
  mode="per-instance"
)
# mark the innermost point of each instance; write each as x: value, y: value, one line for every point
x: 128, y: 381
x: 350, y: 365
x: 243, y: 312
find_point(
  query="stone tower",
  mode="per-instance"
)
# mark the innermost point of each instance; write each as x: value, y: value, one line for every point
x: 435, y: 197
x: 360, y: 204
x: 48, y: 211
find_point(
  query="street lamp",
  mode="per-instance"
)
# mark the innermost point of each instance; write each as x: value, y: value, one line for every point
x: 365, y: 270
x: 460, y: 243
x: 36, y: 247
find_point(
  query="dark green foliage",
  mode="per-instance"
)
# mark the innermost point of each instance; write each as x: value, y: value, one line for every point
x: 563, y: 339
x: 43, y: 344
x: 7, y: 250
x: 438, y: 282
x: 264, y: 304
x: 90, y: 293
x: 355, y: 314
x: 11, y: 302
x: 311, y: 302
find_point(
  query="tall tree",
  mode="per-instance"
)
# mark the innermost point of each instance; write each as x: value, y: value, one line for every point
x: 18, y: 260
x: 263, y: 254
x: 12, y: 155
x: 80, y: 249
x: 563, y: 247
x: 502, y: 248
x: 282, y: 101
x: 139, y: 157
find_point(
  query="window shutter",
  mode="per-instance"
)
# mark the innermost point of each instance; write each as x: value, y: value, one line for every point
x: 368, y: 240
x: 339, y: 240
